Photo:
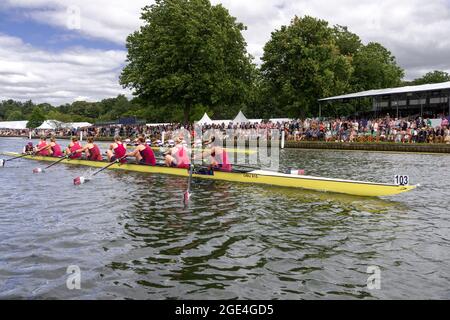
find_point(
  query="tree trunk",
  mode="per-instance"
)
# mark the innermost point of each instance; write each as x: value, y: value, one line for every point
x: 187, y: 111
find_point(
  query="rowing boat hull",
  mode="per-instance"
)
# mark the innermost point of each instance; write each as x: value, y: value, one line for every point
x: 358, y: 188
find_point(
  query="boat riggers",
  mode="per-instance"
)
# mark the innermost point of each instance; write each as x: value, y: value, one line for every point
x: 39, y: 170
x: 80, y: 180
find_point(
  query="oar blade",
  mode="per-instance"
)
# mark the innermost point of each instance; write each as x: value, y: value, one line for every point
x: 2, y: 163
x: 79, y: 180
x: 37, y: 170
x: 186, y: 197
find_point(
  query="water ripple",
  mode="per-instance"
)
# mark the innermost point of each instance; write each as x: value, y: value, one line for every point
x: 132, y: 237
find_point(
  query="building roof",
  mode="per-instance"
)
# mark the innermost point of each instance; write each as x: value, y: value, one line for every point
x: 388, y: 91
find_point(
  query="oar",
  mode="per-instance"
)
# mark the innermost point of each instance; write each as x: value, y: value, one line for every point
x: 3, y: 161
x: 39, y: 170
x: 187, y: 193
x: 80, y: 180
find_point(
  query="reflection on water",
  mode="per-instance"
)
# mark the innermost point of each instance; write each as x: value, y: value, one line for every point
x: 132, y: 237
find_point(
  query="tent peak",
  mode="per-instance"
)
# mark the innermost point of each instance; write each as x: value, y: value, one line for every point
x: 240, y: 118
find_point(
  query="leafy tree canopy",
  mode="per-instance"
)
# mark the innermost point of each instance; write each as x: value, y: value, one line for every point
x: 302, y: 63
x: 14, y: 115
x: 348, y: 42
x: 187, y: 53
x: 36, y: 119
x: 432, y: 77
x: 375, y: 68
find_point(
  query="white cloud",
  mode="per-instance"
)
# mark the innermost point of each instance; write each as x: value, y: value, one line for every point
x: 112, y: 20
x: 413, y: 30
x: 57, y: 78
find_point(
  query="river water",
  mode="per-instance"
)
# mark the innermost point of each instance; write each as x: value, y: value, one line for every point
x: 132, y: 238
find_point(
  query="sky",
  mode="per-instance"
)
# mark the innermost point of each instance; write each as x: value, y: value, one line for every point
x: 60, y: 51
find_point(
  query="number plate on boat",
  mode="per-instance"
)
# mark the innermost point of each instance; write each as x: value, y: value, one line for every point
x: 401, y: 180
x: 250, y: 175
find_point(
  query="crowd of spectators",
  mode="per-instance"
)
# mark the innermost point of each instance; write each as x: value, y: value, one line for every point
x: 385, y: 129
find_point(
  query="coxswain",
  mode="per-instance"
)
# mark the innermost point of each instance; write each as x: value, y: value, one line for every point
x: 91, y: 150
x: 55, y: 148
x: 178, y: 156
x: 117, y: 150
x: 71, y: 150
x: 218, y: 157
x: 29, y: 148
x: 42, y: 149
x: 143, y: 153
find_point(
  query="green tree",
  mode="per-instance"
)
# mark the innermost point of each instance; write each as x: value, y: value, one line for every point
x: 44, y: 107
x: 37, y: 117
x: 302, y: 63
x: 14, y: 115
x: 435, y: 76
x: 187, y: 53
x: 348, y: 43
x: 375, y: 68
x: 56, y: 115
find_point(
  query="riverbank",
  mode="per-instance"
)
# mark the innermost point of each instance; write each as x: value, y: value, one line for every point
x: 371, y: 146
x: 352, y: 146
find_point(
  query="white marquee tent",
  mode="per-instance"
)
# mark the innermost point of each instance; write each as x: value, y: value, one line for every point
x: 55, y: 124
x: 220, y: 122
x: 13, y: 125
x: 50, y: 124
x: 205, y: 120
x: 77, y: 125
x: 240, y: 118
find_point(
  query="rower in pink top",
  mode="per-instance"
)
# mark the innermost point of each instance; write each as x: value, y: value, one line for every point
x: 117, y: 150
x: 143, y: 153
x: 91, y: 150
x: 178, y: 156
x: 43, y: 147
x: 55, y: 148
x: 73, y: 147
